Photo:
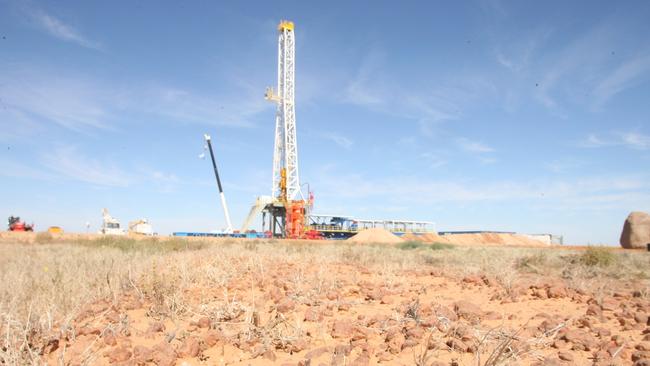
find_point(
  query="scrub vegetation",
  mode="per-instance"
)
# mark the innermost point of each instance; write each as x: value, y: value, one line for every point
x: 48, y: 289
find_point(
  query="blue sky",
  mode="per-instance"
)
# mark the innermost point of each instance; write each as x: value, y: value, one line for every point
x: 517, y: 116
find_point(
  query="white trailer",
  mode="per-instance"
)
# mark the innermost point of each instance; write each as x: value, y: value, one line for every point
x: 141, y: 227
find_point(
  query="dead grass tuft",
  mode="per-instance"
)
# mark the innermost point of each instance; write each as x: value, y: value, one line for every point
x: 598, y: 256
x: 43, y: 237
x: 533, y: 263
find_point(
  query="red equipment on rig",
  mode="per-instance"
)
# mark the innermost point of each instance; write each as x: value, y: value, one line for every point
x: 295, y: 219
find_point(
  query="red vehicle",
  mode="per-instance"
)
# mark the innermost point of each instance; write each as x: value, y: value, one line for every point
x: 16, y: 225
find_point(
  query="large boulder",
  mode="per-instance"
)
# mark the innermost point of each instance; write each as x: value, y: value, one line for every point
x: 636, y: 231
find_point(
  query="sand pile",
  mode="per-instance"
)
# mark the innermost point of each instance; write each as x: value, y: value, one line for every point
x: 432, y: 238
x: 504, y: 239
x: 375, y: 235
x: 427, y: 238
x: 412, y: 237
x: 489, y: 239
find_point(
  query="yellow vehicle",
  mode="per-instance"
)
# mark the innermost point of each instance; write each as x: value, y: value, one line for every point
x: 54, y: 230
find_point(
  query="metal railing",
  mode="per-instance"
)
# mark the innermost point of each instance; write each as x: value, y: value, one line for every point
x: 354, y: 229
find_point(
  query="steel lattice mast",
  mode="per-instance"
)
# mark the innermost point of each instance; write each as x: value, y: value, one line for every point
x: 286, y: 181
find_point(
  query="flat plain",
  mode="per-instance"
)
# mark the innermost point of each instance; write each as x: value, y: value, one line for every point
x: 115, y: 300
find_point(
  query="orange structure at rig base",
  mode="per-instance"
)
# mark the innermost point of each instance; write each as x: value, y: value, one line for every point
x: 295, y: 224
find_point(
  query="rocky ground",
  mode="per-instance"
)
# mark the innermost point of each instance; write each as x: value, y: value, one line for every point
x: 419, y: 317
x: 296, y: 309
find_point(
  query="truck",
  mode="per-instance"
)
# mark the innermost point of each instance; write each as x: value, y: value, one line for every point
x: 110, y: 225
x: 15, y: 224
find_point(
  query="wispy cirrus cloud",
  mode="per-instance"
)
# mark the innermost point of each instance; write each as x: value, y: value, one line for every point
x: 82, y: 104
x: 517, y: 54
x: 340, y: 140
x: 434, y: 160
x: 70, y: 164
x: 631, y: 72
x: 165, y: 182
x: 359, y: 90
x: 594, y: 141
x: 631, y: 140
x: 636, y: 140
x: 14, y: 168
x: 473, y: 146
x: 562, y: 165
x: 75, y: 103
x: 588, y: 72
x: 65, y: 32
x: 479, y: 150
x: 569, y: 69
x: 589, y: 193
x: 187, y: 106
x: 563, y: 71
x: 374, y: 87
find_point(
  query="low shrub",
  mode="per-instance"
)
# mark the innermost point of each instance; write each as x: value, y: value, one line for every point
x: 441, y: 246
x: 408, y: 245
x: 532, y: 263
x: 419, y: 245
x: 598, y: 256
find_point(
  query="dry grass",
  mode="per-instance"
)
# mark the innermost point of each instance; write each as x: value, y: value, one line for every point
x: 598, y: 256
x: 43, y: 287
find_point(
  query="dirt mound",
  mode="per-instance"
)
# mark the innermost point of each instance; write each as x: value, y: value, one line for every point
x: 432, y: 238
x: 474, y: 239
x: 516, y: 239
x: 375, y: 235
x: 427, y: 238
x: 636, y: 231
x: 412, y: 237
x: 489, y: 239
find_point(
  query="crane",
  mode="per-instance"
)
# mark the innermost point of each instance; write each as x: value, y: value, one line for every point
x: 228, y: 228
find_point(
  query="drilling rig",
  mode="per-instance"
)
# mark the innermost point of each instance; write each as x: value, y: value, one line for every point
x: 289, y: 212
x: 288, y: 208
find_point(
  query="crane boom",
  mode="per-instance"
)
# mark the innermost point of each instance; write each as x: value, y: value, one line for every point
x: 221, y: 195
